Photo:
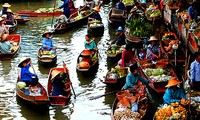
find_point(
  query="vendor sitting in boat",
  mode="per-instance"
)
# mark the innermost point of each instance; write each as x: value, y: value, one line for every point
x: 47, y: 43
x: 5, y: 7
x: 120, y: 40
x: 58, y: 79
x: 26, y: 76
x: 90, y: 44
x: 173, y: 93
x: 120, y: 5
x: 3, y: 29
x: 95, y: 15
x: 5, y: 46
x: 133, y: 78
x: 10, y: 18
x: 153, y: 50
x: 136, y: 12
x: 127, y: 57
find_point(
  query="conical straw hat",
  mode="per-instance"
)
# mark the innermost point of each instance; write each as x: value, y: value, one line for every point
x: 22, y: 60
x: 172, y: 82
x: 6, y: 5
x: 153, y: 38
x: 54, y: 73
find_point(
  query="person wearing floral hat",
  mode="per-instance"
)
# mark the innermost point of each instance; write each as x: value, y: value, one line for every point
x: 96, y: 14
x: 26, y: 76
x: 5, y: 7
x: 173, y: 93
x: 3, y: 29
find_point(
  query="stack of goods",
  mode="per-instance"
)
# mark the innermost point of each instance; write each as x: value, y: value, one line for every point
x: 81, y: 15
x: 170, y: 39
x: 128, y: 2
x: 195, y: 101
x: 139, y: 28
x: 158, y: 75
x: 172, y: 3
x: 95, y: 23
x: 131, y: 106
x: 47, y: 10
x: 152, y: 12
x: 117, y: 72
x: 114, y: 50
x: 175, y: 111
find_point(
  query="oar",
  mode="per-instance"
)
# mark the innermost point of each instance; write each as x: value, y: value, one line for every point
x: 71, y: 86
x: 99, y: 96
x: 53, y: 12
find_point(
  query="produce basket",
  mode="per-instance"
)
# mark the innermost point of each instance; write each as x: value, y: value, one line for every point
x: 133, y: 39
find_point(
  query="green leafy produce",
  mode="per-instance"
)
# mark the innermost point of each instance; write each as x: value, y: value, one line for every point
x: 139, y: 28
x: 21, y: 85
x: 126, y: 2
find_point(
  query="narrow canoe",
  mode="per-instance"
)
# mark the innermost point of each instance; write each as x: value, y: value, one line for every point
x: 58, y: 100
x: 16, y: 40
x: 87, y: 63
x: 117, y: 16
x: 142, y: 101
x: 21, y: 19
x: 47, y: 59
x: 40, y: 98
x: 73, y: 22
x: 116, y: 75
x: 12, y: 28
x: 95, y: 29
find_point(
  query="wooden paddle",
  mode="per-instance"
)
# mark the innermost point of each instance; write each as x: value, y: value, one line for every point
x: 99, y: 96
x: 53, y: 12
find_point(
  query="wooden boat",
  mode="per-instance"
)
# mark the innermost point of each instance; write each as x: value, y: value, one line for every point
x: 87, y: 60
x: 47, y: 59
x: 40, y: 98
x: 117, y: 16
x: 59, y: 100
x: 95, y: 28
x: 140, y: 99
x: 74, y: 21
x: 12, y: 28
x: 167, y: 38
x: 116, y: 52
x: 21, y: 19
x: 132, y: 39
x: 33, y: 13
x: 16, y: 40
x: 116, y: 75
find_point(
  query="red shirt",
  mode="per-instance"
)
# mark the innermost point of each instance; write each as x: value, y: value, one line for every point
x: 127, y: 56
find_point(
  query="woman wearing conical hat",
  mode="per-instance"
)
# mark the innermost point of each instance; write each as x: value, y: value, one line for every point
x: 153, y: 50
x: 10, y: 18
x: 5, y: 7
x: 173, y: 93
x: 47, y: 43
x: 96, y: 14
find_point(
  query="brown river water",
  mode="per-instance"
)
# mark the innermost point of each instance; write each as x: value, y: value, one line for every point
x: 85, y: 86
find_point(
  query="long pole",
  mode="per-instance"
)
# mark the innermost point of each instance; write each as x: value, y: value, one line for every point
x: 53, y: 13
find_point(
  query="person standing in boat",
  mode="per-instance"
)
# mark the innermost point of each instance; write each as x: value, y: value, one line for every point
x: 66, y: 7
x: 127, y: 57
x: 96, y: 14
x: 133, y: 78
x: 10, y: 18
x: 153, y: 50
x: 121, y: 37
x: 26, y: 76
x: 58, y: 79
x: 4, y: 9
x: 195, y: 72
x: 173, y: 93
x: 120, y: 5
x: 47, y: 43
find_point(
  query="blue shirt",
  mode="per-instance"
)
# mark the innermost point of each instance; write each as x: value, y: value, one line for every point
x: 192, y: 12
x: 171, y: 95
x: 5, y: 47
x: 155, y: 49
x: 66, y: 8
x: 96, y: 16
x: 120, y: 6
x: 4, y: 9
x: 47, y: 42
x: 132, y: 80
x: 26, y: 75
x: 195, y: 71
x: 90, y: 46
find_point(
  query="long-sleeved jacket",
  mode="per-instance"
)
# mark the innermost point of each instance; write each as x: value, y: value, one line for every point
x: 48, y: 43
x: 195, y: 71
x: 171, y: 95
x: 66, y: 7
x: 132, y: 80
x: 26, y: 75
